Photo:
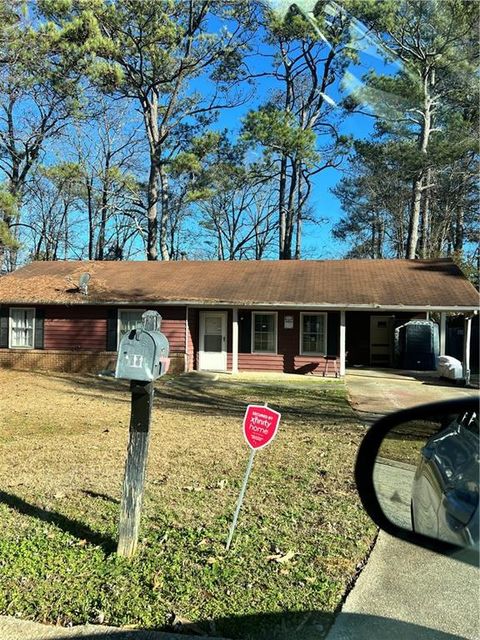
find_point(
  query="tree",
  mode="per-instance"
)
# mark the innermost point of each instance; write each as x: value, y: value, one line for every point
x: 38, y: 94
x: 374, y: 194
x: 238, y: 207
x: 91, y: 204
x: 437, y: 44
x: 150, y: 52
x: 297, y: 128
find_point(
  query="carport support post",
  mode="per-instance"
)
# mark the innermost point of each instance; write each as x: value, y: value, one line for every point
x: 466, y: 349
x: 443, y: 333
x: 342, y: 343
x: 135, y: 467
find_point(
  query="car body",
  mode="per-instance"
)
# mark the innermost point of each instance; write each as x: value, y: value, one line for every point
x: 445, y: 490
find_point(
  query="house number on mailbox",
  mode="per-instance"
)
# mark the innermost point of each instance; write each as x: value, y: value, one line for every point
x: 137, y: 361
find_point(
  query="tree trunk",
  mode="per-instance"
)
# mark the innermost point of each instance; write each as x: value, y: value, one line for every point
x: 381, y: 237
x: 459, y: 232
x: 282, y: 218
x: 425, y: 239
x: 150, y: 115
x: 412, y: 241
x: 165, y: 200
x: 152, y: 222
x: 103, y: 211
x: 290, y: 213
x: 298, y: 239
x: 414, y: 218
x: 91, y: 225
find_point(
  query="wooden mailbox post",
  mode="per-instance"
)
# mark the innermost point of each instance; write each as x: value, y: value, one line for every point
x: 142, y: 357
x: 135, y: 467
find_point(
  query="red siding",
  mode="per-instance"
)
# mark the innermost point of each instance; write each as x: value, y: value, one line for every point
x: 260, y: 362
x: 173, y: 326
x: 85, y: 328
x: 78, y: 328
x: 192, y: 339
x: 286, y: 360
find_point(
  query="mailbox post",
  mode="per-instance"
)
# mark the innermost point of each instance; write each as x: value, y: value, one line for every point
x: 135, y: 467
x: 142, y: 357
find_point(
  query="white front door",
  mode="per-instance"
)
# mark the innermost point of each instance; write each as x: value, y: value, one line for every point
x: 212, y: 355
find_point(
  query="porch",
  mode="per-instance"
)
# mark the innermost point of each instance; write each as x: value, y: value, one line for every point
x: 306, y: 341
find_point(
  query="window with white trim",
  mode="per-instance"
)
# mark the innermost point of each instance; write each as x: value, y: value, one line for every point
x: 264, y: 332
x: 313, y: 334
x: 22, y: 328
x: 128, y: 319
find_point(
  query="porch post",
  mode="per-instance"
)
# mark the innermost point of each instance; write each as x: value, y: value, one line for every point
x: 466, y: 349
x: 342, y: 343
x: 443, y: 333
x: 235, y: 340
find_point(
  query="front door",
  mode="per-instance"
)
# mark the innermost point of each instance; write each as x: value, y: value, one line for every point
x: 381, y: 340
x: 212, y: 355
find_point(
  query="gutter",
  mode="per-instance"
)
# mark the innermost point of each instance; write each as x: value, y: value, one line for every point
x: 255, y: 305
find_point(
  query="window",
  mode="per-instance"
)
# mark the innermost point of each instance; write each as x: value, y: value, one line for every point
x: 128, y: 319
x: 264, y: 333
x: 313, y: 334
x: 22, y: 323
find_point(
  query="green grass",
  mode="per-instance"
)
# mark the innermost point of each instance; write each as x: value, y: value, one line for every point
x: 301, y: 534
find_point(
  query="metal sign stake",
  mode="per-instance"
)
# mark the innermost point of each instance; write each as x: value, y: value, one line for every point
x: 240, y: 497
x: 260, y: 425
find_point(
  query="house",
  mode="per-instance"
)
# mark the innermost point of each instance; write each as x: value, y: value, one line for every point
x: 285, y: 316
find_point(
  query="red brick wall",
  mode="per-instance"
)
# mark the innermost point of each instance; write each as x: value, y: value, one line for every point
x: 69, y: 361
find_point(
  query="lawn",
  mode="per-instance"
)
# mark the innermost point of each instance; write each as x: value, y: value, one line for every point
x: 301, y: 537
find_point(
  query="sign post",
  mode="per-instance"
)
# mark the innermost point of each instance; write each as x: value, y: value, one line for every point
x: 135, y: 467
x: 260, y: 426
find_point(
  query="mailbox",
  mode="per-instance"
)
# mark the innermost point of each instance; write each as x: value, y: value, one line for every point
x: 143, y: 352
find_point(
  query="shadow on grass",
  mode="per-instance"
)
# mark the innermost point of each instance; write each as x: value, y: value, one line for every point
x: 301, y: 625
x: 219, y: 398
x: 74, y: 527
x: 101, y: 496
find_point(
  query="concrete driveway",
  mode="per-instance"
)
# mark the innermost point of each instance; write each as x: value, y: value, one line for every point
x: 404, y: 591
x: 373, y: 393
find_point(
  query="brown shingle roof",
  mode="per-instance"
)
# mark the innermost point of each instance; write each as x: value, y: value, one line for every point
x: 331, y: 283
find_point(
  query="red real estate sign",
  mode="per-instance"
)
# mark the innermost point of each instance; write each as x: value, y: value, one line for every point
x: 260, y: 425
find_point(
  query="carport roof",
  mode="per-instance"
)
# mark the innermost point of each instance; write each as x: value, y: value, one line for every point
x: 361, y: 284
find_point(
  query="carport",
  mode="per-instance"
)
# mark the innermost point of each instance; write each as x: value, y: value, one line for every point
x: 369, y: 335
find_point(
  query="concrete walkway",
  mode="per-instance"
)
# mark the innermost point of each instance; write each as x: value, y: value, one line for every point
x: 13, y: 629
x: 406, y: 592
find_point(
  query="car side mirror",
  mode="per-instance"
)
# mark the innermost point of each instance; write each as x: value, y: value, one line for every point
x: 417, y: 473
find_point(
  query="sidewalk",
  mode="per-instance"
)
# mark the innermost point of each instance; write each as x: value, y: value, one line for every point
x: 13, y: 629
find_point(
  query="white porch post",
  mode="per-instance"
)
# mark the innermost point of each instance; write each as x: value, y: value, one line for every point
x: 466, y: 349
x: 342, y: 343
x: 234, y: 340
x: 443, y: 333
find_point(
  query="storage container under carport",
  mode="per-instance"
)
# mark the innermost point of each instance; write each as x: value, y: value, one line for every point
x: 417, y: 345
